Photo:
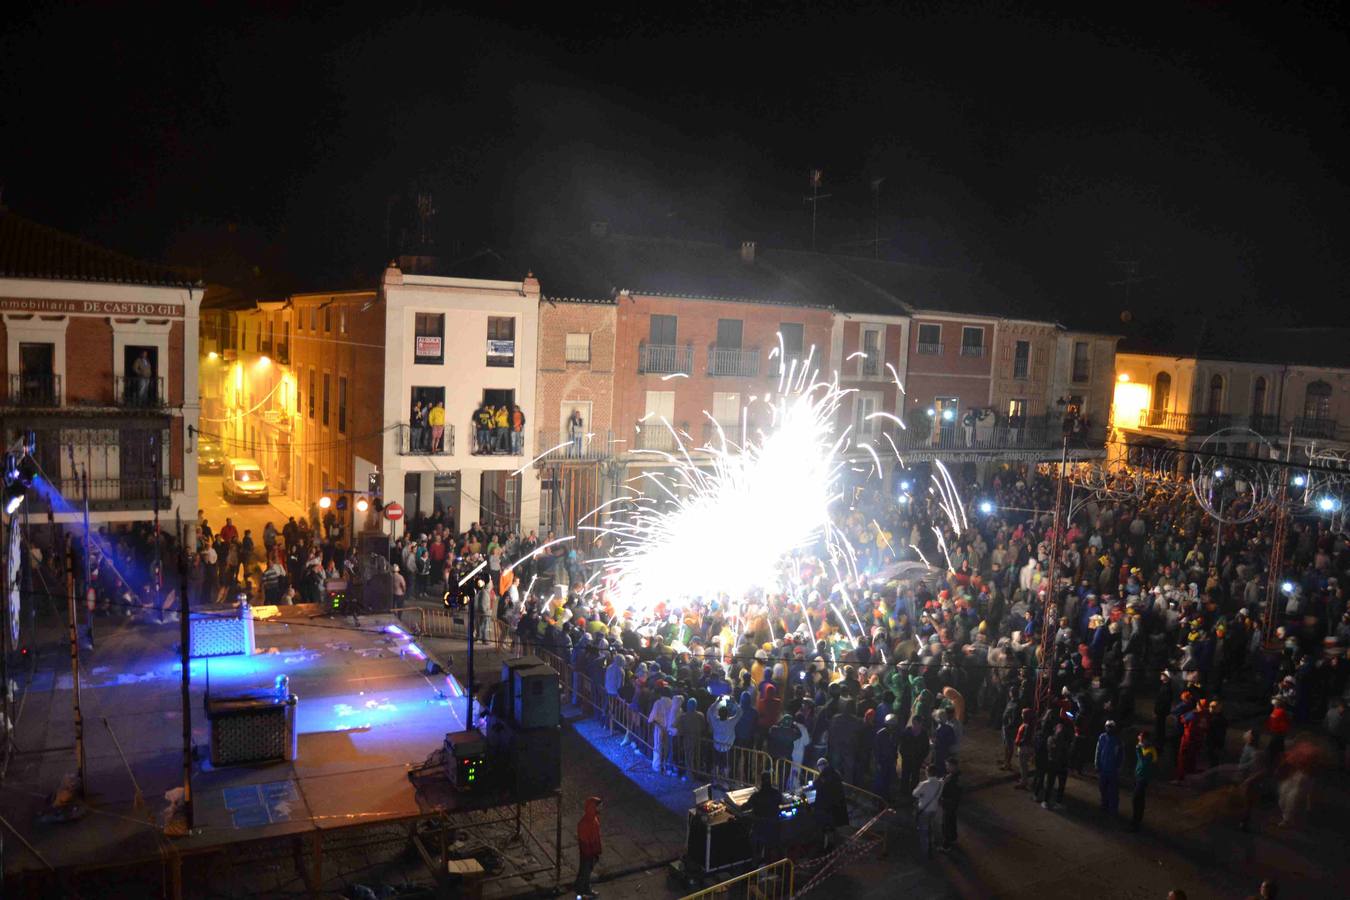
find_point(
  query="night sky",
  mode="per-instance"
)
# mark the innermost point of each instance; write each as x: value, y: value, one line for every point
x: 1199, y: 147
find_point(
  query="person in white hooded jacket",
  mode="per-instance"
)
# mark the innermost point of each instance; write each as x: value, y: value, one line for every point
x: 722, y: 718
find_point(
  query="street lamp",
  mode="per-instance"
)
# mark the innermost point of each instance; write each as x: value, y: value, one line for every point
x: 1299, y: 481
x: 325, y: 502
x: 1328, y: 504
x: 362, y: 504
x: 986, y: 507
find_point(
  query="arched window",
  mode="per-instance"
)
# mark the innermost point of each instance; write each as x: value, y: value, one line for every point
x: 1259, y: 396
x: 1215, y: 396
x: 1317, y: 401
x: 1162, y: 391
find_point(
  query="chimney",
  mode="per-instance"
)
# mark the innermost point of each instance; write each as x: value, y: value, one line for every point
x: 747, y: 251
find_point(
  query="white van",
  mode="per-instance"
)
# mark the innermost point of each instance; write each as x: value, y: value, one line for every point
x: 243, y: 480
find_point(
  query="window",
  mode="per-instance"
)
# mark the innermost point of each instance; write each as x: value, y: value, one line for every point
x: 342, y: 404
x: 660, y: 405
x: 662, y: 333
x: 328, y: 319
x: 729, y: 334
x: 1317, y: 401
x: 972, y: 341
x: 342, y: 320
x: 864, y: 426
x: 930, y: 340
x: 1215, y: 395
x: 311, y: 393
x: 871, y: 348
x: 1017, y: 412
x: 1021, y: 359
x: 726, y: 408
x: 429, y: 339
x: 313, y: 318
x: 1162, y: 391
x: 271, y: 332
x: 578, y: 347
x: 501, y: 341
x: 1259, y: 396
x: 326, y: 378
x: 1082, y: 364
x: 791, y: 334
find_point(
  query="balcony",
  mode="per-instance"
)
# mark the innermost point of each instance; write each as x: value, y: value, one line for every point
x: 1264, y: 423
x: 792, y: 365
x: 283, y: 354
x: 665, y: 359
x: 114, y: 494
x: 1044, y: 432
x: 928, y: 349
x: 975, y: 350
x: 133, y: 392
x: 715, y: 433
x: 1184, y: 423
x: 555, y: 446
x: 1317, y: 429
x: 733, y: 363
x: 654, y: 435
x: 34, y: 389
x: 419, y: 441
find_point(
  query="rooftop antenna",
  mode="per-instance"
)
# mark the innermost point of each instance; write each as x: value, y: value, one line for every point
x: 816, y: 196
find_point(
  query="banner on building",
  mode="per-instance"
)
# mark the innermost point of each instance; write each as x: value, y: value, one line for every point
x: 501, y: 348
x: 427, y: 347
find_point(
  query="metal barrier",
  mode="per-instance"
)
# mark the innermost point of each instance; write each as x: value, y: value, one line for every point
x: 430, y: 622
x: 772, y: 882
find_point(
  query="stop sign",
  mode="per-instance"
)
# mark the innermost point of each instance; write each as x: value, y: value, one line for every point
x: 393, y: 512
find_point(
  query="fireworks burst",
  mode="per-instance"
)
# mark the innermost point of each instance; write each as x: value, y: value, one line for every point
x: 730, y: 517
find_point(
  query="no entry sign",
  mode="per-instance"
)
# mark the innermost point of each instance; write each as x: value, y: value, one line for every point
x: 393, y: 511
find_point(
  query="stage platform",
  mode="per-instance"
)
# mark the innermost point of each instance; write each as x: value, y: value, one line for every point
x: 367, y: 714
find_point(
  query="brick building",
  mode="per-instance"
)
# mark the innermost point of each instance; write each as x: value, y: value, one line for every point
x: 576, y: 375
x: 100, y: 362
x: 337, y: 359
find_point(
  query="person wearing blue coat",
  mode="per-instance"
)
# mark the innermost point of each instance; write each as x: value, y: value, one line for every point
x: 745, y: 726
x: 1109, y: 755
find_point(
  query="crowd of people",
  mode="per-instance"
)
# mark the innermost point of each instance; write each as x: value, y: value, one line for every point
x: 1157, y: 639
x: 1154, y: 639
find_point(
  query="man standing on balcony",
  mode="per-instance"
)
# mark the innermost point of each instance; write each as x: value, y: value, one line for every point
x: 576, y: 429
x: 517, y: 431
x: 482, y: 420
x: 143, y: 372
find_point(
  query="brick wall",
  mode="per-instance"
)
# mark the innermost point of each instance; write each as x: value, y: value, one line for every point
x: 697, y: 327
x: 89, y: 360
x: 559, y: 380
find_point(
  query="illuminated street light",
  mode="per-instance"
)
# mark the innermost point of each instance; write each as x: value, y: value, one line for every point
x: 264, y: 361
x: 986, y: 507
x: 1124, y: 377
x: 948, y: 415
x: 1300, y: 480
x: 213, y: 356
x: 1218, y: 473
x: 1287, y: 587
x: 362, y: 504
x: 1328, y: 504
x: 325, y: 502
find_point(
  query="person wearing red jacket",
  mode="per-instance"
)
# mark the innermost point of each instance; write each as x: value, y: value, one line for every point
x: 588, y: 846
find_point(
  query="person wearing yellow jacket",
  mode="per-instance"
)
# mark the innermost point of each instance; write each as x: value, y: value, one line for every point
x: 436, y: 419
x: 501, y: 421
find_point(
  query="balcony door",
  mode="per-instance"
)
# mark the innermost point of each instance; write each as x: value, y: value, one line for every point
x: 729, y: 333
x: 662, y: 331
x: 138, y: 464
x: 37, y: 372
x: 140, y: 384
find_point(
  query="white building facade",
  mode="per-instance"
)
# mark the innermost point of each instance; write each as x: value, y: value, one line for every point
x: 453, y: 347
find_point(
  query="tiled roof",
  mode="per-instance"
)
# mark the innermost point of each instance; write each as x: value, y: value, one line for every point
x: 599, y: 266
x: 1239, y: 340
x: 30, y: 250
